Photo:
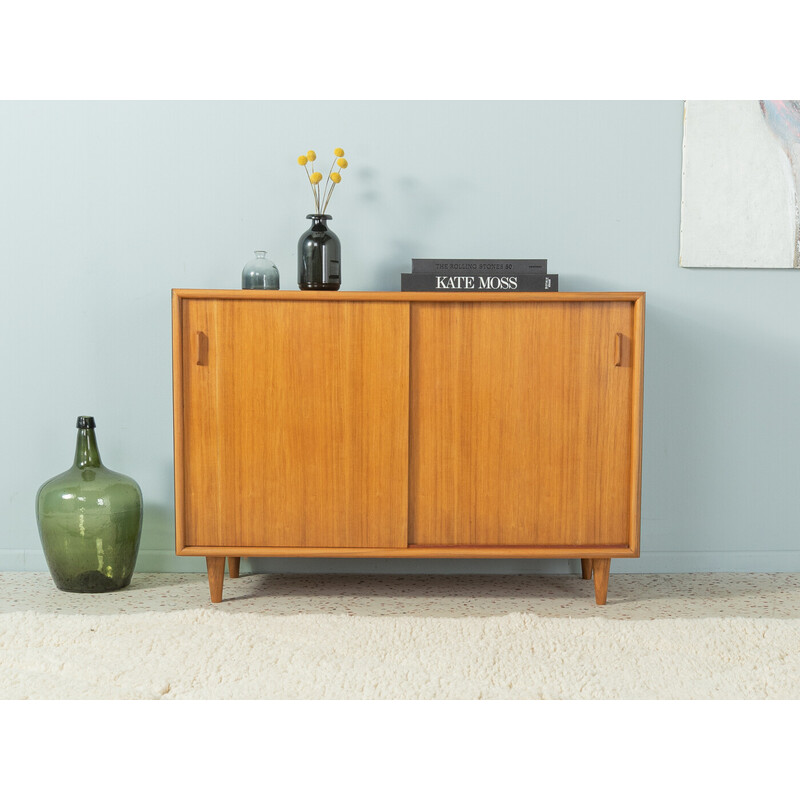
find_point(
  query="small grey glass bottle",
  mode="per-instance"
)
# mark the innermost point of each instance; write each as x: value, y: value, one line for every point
x: 260, y: 273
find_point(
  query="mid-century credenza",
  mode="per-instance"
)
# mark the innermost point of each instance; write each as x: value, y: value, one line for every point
x: 408, y: 425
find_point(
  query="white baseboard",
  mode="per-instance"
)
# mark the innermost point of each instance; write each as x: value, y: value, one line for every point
x: 650, y: 562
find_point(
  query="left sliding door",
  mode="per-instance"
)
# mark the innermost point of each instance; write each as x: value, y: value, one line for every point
x: 294, y: 423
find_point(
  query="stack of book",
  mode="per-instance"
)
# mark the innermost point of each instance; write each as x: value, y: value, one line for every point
x: 493, y: 275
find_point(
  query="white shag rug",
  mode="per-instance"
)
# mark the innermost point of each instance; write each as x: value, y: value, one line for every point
x: 397, y: 637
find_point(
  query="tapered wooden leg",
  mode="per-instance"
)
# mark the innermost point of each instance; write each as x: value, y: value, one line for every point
x: 216, y: 574
x: 586, y: 568
x: 233, y: 566
x: 601, y: 567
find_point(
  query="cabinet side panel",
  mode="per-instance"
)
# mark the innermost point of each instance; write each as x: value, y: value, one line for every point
x: 312, y: 429
x: 177, y: 419
x: 637, y: 421
x: 521, y: 424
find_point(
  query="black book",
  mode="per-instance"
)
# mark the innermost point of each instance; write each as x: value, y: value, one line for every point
x: 410, y: 282
x: 507, y: 266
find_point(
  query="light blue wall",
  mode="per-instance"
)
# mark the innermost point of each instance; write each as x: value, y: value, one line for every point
x: 105, y: 206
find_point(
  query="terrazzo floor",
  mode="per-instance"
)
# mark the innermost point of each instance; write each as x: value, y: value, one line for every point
x: 630, y: 596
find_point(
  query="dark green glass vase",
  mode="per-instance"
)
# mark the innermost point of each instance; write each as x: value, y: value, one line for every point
x: 90, y: 521
x: 319, y: 259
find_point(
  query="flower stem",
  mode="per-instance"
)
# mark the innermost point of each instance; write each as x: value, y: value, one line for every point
x: 313, y: 190
x: 333, y: 185
x: 328, y: 180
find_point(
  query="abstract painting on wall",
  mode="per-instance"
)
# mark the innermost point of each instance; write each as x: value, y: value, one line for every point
x: 740, y: 191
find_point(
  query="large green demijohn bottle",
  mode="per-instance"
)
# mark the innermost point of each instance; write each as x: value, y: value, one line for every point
x: 90, y: 521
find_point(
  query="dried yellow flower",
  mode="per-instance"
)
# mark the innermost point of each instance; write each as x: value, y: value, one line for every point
x: 322, y: 192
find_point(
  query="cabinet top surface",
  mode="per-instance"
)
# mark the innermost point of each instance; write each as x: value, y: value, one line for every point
x: 406, y: 297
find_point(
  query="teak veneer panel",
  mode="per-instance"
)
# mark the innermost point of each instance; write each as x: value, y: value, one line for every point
x: 295, y: 424
x: 408, y: 425
x: 406, y: 298
x: 521, y: 424
x: 413, y: 551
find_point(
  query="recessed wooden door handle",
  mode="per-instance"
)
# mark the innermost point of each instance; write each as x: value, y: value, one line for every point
x: 618, y: 350
x: 201, y: 349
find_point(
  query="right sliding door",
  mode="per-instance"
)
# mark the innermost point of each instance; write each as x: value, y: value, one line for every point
x: 522, y: 423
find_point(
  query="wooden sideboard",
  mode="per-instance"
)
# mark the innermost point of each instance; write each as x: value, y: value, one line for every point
x: 407, y: 425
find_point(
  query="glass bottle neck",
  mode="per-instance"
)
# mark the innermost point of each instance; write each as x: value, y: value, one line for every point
x: 86, y: 452
x: 318, y: 222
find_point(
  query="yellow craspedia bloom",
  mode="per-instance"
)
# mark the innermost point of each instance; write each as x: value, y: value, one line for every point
x: 302, y: 160
x: 342, y: 162
x: 316, y: 177
x: 312, y: 156
x: 335, y: 177
x: 338, y: 151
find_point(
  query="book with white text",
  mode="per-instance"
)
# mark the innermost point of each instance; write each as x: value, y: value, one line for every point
x: 411, y: 282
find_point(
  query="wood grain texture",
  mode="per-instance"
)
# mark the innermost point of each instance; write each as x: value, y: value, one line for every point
x: 259, y: 295
x: 331, y: 424
x: 178, y: 434
x: 216, y: 576
x: 198, y: 509
x: 296, y: 432
x: 233, y: 566
x: 601, y: 568
x: 413, y: 551
x: 520, y: 424
x: 586, y: 568
x: 637, y: 421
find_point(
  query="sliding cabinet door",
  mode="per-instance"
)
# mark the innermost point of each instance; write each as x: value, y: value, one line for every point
x: 522, y: 425
x: 295, y: 423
